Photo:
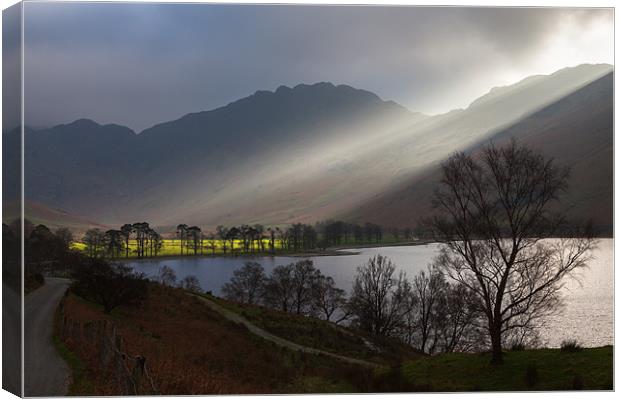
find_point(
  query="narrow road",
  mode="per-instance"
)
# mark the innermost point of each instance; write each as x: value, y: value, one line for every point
x: 238, y: 319
x: 46, y: 373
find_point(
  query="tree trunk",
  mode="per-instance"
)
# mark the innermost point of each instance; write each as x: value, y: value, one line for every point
x: 497, y: 356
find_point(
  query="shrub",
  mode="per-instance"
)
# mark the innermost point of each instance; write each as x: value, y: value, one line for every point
x: 570, y: 346
x: 577, y: 383
x: 517, y: 347
x: 109, y: 285
x: 531, y: 375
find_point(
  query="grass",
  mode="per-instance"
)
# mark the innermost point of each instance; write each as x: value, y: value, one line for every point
x: 320, y: 334
x: 80, y: 382
x: 538, y: 370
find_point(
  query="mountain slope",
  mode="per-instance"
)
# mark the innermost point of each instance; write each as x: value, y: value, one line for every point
x: 111, y: 174
x: 53, y: 218
x: 297, y: 154
x: 576, y: 130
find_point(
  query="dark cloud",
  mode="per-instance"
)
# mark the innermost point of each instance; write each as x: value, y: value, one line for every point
x: 139, y: 64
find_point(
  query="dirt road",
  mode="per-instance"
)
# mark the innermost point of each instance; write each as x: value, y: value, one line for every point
x: 236, y: 318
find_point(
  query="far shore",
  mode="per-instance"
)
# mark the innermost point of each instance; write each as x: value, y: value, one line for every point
x: 344, y: 250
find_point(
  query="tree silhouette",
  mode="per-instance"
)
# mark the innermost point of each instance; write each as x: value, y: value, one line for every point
x: 222, y: 234
x: 94, y: 240
x: 194, y: 236
x: 127, y: 229
x: 182, y: 234
x: 231, y: 236
x: 493, y: 217
x: 113, y: 240
x: 246, y: 285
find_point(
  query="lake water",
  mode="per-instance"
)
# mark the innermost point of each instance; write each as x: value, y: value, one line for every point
x: 587, y: 316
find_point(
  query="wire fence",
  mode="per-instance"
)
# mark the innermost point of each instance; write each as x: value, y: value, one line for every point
x: 101, y: 343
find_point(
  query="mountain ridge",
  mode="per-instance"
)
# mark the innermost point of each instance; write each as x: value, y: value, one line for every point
x: 294, y: 154
x: 556, y: 131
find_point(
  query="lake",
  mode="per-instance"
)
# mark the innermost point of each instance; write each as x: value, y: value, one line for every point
x: 587, y: 316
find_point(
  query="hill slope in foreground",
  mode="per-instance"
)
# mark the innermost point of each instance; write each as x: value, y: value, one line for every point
x: 191, y: 349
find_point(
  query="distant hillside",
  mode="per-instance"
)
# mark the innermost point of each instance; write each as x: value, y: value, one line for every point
x: 52, y: 218
x: 576, y: 130
x: 111, y: 174
x: 305, y: 153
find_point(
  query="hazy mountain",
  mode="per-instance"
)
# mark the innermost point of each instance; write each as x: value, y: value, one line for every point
x: 109, y: 173
x: 296, y: 154
x: 576, y: 130
x: 52, y: 218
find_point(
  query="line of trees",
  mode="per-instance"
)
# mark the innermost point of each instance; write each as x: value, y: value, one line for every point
x: 426, y: 312
x: 297, y: 288
x: 114, y: 243
x: 337, y: 232
x: 242, y: 239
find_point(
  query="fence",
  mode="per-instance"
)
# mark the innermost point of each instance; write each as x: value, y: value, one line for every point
x: 100, y: 342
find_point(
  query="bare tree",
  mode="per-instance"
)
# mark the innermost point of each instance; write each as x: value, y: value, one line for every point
x: 246, y: 285
x: 231, y: 235
x: 428, y: 288
x: 222, y: 233
x: 141, y: 229
x: 113, y: 242
x: 191, y: 283
x: 494, y: 218
x: 329, y: 299
x: 212, y: 244
x: 193, y: 236
x: 95, y: 242
x: 182, y: 235
x: 304, y: 277
x: 127, y: 229
x: 379, y: 300
x: 66, y: 236
x: 456, y: 321
x: 166, y: 276
x: 279, y: 288
x: 110, y: 285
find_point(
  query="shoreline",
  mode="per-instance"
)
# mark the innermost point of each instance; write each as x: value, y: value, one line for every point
x: 344, y: 250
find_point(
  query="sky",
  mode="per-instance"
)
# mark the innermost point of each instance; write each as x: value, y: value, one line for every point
x: 141, y: 64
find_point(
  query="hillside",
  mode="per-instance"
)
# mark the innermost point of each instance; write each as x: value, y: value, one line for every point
x: 576, y: 130
x: 191, y: 349
x: 297, y: 154
x: 52, y: 218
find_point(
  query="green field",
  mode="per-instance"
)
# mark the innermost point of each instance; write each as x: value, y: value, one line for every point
x: 536, y: 370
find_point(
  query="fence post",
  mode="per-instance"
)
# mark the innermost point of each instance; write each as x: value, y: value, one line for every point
x: 138, y: 372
